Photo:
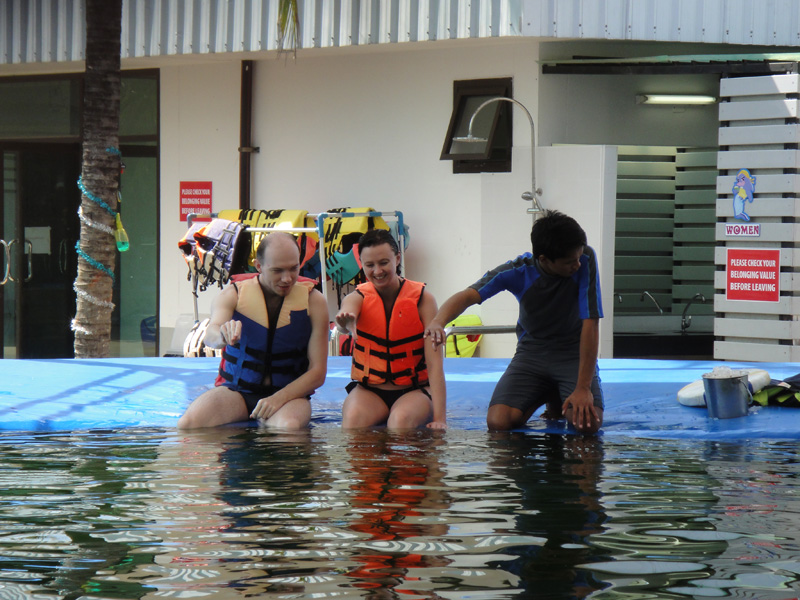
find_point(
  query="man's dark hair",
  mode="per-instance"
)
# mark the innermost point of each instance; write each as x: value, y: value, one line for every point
x: 556, y: 235
x: 376, y: 237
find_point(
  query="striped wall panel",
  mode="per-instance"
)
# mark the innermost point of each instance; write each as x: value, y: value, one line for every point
x: 665, y: 236
x: 760, y: 132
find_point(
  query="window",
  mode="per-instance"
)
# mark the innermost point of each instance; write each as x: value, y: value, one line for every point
x: 492, y: 127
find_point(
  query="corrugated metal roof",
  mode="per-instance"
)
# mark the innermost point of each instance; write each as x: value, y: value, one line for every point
x: 757, y: 22
x: 34, y: 31
x: 53, y: 30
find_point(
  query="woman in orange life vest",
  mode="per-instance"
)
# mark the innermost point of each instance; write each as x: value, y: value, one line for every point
x: 386, y: 317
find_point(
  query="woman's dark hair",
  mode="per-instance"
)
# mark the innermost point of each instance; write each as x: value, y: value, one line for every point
x: 556, y: 235
x: 377, y: 237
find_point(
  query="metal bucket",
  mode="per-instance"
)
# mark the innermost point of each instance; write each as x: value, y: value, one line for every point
x: 728, y: 397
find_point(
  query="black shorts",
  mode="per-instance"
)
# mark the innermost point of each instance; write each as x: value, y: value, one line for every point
x: 252, y: 398
x: 533, y: 379
x: 389, y: 397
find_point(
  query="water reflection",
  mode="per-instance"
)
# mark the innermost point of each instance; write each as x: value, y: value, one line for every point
x: 331, y: 514
x: 559, y: 502
x: 397, y: 501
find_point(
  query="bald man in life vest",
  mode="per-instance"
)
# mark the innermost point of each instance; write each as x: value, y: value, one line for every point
x: 274, y: 331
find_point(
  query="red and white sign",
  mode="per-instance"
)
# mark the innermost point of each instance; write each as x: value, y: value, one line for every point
x: 195, y: 197
x: 742, y: 229
x: 753, y: 274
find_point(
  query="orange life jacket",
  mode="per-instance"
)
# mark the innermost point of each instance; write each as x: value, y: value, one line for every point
x: 390, y: 352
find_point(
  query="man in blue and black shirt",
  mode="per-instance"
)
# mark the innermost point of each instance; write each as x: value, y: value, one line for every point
x: 555, y: 363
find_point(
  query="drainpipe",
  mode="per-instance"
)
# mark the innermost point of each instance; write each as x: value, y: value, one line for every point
x: 246, y: 147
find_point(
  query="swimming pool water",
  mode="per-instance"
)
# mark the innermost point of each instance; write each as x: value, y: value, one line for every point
x: 242, y: 512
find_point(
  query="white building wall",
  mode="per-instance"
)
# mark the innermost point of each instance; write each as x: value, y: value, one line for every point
x: 354, y: 128
x: 199, y: 142
x: 366, y: 129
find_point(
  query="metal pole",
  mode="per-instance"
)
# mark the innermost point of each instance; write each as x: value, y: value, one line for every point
x: 535, y: 192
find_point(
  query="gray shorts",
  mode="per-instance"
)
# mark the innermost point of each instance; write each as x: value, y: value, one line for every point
x: 533, y: 379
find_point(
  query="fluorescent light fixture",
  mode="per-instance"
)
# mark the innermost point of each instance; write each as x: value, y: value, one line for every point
x: 674, y: 99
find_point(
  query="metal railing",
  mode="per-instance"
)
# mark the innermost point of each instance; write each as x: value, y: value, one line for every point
x: 333, y: 347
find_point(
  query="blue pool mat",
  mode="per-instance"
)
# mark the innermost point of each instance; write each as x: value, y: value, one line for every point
x: 72, y: 395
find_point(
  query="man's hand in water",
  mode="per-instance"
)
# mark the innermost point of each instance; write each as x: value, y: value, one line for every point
x: 579, y: 409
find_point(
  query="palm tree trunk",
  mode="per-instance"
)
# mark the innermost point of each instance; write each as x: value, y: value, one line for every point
x: 99, y: 179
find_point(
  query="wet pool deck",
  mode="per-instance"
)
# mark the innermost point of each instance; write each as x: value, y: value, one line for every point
x: 71, y: 395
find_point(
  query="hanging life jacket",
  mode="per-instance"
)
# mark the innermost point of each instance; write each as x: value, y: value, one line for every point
x: 279, y: 354
x: 217, y: 245
x: 188, y: 247
x: 460, y: 345
x: 390, y: 352
x: 278, y: 218
x: 341, y: 235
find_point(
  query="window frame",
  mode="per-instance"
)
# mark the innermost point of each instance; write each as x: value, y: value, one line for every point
x: 497, y: 157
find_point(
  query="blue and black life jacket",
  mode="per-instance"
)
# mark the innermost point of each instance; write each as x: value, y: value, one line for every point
x: 278, y: 354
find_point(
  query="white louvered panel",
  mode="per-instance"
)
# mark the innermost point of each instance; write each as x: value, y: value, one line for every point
x: 760, y: 86
x: 787, y: 305
x: 758, y: 110
x: 788, y: 283
x: 759, y: 159
x: 765, y: 207
x: 764, y: 352
x: 770, y: 184
x: 759, y: 134
x: 790, y: 257
x: 768, y: 329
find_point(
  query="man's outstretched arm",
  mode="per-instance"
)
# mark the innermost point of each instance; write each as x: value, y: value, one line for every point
x: 452, y: 307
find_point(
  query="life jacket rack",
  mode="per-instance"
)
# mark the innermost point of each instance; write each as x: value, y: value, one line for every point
x: 324, y: 254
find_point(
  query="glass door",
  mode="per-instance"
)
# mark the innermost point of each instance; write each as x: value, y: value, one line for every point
x: 39, y: 228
